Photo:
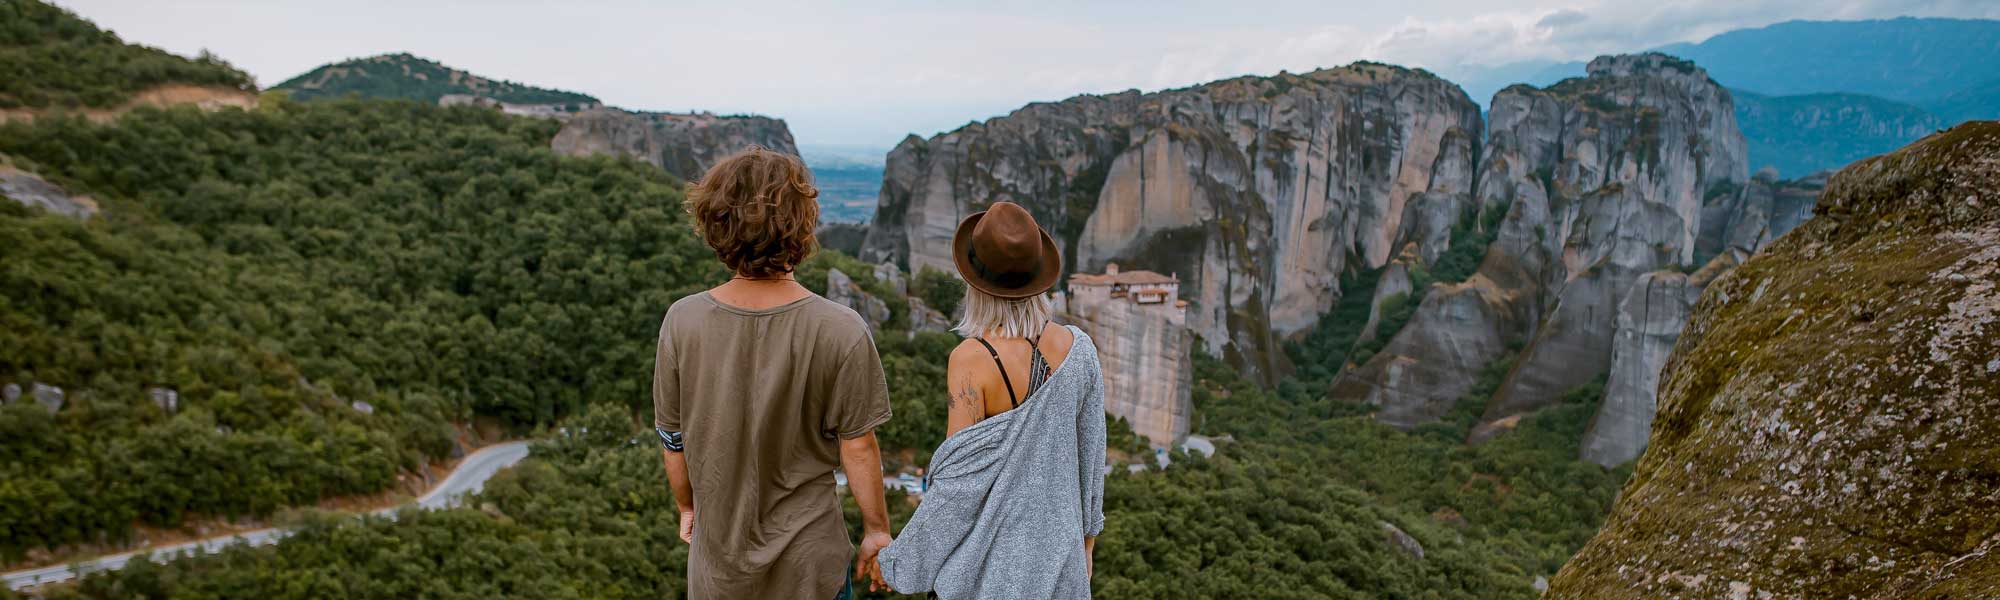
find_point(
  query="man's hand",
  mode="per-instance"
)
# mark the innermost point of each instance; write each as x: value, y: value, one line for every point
x: 861, y: 457
x: 865, y: 565
x: 677, y: 478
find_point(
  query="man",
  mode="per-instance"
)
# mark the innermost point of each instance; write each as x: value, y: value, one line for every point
x: 760, y: 389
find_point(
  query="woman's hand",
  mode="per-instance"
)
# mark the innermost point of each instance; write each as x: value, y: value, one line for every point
x: 866, y: 565
x: 687, y: 526
x: 1089, y: 558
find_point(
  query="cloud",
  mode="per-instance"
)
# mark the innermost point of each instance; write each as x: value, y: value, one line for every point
x: 1562, y: 17
x: 1586, y: 29
x: 870, y: 73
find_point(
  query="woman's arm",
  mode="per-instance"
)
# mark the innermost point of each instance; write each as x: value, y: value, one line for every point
x: 968, y: 404
x: 1090, y: 447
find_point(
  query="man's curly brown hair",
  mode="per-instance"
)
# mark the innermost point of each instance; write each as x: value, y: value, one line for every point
x: 757, y: 208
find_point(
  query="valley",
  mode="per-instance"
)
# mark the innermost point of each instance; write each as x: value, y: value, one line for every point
x: 1435, y: 345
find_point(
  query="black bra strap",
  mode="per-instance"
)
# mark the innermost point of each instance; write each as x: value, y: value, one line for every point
x: 1011, y: 398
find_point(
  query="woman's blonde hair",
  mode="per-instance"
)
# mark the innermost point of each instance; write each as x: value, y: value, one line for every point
x: 986, y: 315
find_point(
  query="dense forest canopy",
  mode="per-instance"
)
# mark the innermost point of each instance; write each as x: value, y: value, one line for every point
x: 1297, y: 507
x: 50, y: 58
x: 275, y: 266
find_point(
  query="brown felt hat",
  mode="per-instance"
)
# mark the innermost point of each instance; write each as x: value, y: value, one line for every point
x: 1001, y: 251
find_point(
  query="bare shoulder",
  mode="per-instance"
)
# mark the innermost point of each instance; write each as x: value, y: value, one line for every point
x: 1058, y: 339
x: 968, y: 351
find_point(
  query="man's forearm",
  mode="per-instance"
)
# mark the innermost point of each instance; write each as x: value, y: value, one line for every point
x: 862, y: 458
x: 677, y: 476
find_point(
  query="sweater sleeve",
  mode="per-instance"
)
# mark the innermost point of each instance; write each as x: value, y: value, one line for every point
x: 1090, y: 449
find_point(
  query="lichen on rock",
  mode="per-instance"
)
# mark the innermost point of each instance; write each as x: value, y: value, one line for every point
x: 1829, y: 422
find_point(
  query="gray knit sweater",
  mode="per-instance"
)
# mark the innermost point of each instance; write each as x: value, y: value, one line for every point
x: 1012, y: 497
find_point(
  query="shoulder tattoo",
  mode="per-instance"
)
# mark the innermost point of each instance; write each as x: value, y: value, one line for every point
x: 967, y: 397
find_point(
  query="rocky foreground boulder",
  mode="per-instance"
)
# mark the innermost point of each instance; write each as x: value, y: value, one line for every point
x: 1829, y: 422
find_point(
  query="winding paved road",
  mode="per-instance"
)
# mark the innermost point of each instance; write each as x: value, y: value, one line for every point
x: 468, y: 478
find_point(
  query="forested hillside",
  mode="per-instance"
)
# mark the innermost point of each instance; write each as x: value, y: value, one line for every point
x: 404, y: 76
x: 50, y: 58
x: 276, y: 267
x: 1807, y: 133
x: 1299, y: 506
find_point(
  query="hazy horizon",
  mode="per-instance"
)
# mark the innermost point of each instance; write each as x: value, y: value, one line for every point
x: 869, y: 75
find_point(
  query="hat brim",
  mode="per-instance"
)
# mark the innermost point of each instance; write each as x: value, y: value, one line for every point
x: 1046, y: 273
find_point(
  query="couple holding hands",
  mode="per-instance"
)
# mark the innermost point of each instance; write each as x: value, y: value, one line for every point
x: 762, y: 388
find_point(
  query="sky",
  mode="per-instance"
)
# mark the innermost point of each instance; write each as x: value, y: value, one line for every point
x: 866, y: 74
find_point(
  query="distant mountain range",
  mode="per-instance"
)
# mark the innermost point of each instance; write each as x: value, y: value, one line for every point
x: 1810, y: 95
x: 402, y: 75
x: 1816, y: 95
x: 1906, y: 59
x: 1805, y: 133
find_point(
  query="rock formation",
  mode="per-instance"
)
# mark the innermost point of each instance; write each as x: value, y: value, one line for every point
x: 1431, y: 362
x: 925, y: 318
x: 1143, y: 343
x: 1395, y: 281
x: 889, y: 274
x: 842, y: 290
x: 29, y: 189
x: 168, y: 399
x: 1757, y: 213
x: 1630, y: 153
x: 50, y: 397
x: 1657, y: 306
x: 1829, y: 420
x: 683, y: 144
x: 1260, y: 191
x: 1649, y: 320
x: 1263, y: 191
x: 1603, y: 179
x: 1402, y: 541
x: 845, y: 238
x: 560, y: 111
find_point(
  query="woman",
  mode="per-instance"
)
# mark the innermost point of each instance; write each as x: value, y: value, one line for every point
x: 1016, y: 495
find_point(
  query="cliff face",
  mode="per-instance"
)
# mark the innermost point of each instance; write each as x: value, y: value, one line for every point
x: 1260, y: 192
x: 1656, y: 307
x: 683, y: 144
x: 1604, y: 179
x: 1631, y: 152
x: 1830, y: 419
x: 1147, y: 364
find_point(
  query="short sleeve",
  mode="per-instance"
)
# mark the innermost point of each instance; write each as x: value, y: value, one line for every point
x: 666, y: 384
x: 860, y: 394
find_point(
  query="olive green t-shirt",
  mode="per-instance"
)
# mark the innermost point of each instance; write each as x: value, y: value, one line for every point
x: 762, y: 398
